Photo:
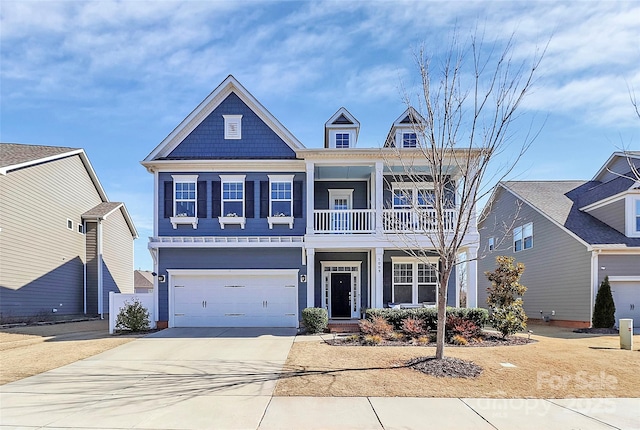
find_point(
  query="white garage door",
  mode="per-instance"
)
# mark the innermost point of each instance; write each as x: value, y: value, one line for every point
x: 234, y: 298
x: 626, y: 296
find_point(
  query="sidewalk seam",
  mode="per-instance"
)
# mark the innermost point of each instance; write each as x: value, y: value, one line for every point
x: 264, y: 414
x: 580, y: 413
x: 477, y: 413
x: 375, y: 413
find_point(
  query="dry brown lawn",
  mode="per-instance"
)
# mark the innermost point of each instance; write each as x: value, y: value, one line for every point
x: 27, y: 351
x: 561, y: 364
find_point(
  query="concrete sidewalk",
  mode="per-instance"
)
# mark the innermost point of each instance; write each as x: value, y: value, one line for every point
x: 224, y: 379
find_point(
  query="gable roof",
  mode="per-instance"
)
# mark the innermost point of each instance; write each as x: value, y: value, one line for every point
x: 142, y: 278
x: 408, y: 118
x: 104, y: 209
x: 559, y: 202
x: 16, y: 155
x: 604, y: 170
x: 208, y: 105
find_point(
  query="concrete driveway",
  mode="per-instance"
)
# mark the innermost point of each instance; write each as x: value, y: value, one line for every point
x: 176, y: 378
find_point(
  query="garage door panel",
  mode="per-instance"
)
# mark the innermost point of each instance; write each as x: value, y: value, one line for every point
x: 236, y: 300
x: 626, y: 297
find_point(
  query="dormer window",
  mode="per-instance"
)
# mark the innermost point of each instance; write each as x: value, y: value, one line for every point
x: 409, y: 140
x: 342, y: 140
x: 638, y: 216
x: 232, y: 126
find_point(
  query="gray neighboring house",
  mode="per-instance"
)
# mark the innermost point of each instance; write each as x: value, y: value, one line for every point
x: 142, y: 281
x: 63, y: 245
x: 569, y: 235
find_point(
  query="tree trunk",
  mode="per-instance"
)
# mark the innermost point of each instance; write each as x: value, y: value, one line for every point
x: 442, y: 311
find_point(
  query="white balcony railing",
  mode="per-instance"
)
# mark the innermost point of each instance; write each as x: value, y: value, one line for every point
x: 418, y: 221
x: 344, y: 220
x: 328, y: 221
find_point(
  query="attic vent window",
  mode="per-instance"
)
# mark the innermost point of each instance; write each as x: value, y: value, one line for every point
x: 232, y: 126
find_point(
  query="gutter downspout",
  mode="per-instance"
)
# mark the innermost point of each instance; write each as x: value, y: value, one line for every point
x: 100, y: 276
x: 84, y: 267
x: 594, y: 281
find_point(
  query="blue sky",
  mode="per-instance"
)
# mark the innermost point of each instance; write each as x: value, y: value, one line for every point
x: 115, y: 77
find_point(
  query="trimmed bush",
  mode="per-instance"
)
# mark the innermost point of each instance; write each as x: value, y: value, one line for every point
x: 377, y: 326
x: 429, y: 316
x: 133, y: 316
x: 604, y: 310
x: 315, y: 319
x: 507, y: 314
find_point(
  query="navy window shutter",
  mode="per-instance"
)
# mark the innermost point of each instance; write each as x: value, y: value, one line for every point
x: 387, y: 282
x: 264, y: 199
x: 216, y: 203
x: 202, y: 199
x: 249, y: 197
x: 168, y: 199
x: 297, y: 199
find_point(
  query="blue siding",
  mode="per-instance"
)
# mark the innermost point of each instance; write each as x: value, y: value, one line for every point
x: 210, y: 226
x: 207, y: 140
x: 360, y: 195
x: 228, y: 258
x: 342, y: 256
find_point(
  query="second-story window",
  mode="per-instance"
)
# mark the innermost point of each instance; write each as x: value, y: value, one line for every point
x: 233, y: 198
x: 281, y: 198
x: 185, y: 199
x: 523, y: 237
x: 342, y: 140
x: 409, y: 140
x: 638, y: 216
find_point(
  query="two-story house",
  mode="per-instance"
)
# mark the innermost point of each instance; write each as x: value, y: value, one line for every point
x: 251, y: 227
x: 570, y: 235
x: 63, y: 245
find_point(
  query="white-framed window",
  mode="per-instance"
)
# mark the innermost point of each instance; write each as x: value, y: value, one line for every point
x: 523, y: 237
x: 409, y: 140
x: 414, y: 281
x: 407, y: 196
x: 233, y: 198
x: 232, y: 126
x: 80, y: 228
x: 342, y: 140
x: 491, y: 244
x: 637, y: 218
x: 69, y: 224
x: 185, y: 200
x: 280, y: 200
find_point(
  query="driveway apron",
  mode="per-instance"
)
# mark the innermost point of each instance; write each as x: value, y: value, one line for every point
x: 181, y: 378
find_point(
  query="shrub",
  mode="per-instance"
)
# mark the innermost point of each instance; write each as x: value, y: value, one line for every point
x: 429, y: 316
x: 396, y: 335
x: 423, y: 340
x: 315, y: 319
x: 372, y: 339
x: 377, y: 326
x: 133, y: 316
x: 459, y: 340
x: 458, y: 326
x: 507, y: 314
x: 605, y: 309
x: 413, y: 327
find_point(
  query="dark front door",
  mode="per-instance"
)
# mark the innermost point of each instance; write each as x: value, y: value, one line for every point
x: 340, y: 295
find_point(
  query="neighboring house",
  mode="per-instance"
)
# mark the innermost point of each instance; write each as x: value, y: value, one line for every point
x: 142, y: 281
x: 250, y: 227
x: 569, y: 235
x: 63, y: 245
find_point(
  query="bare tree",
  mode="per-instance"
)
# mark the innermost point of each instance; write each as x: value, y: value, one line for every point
x: 461, y: 116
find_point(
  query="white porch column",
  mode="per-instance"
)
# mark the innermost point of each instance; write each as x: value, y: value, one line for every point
x: 379, y: 202
x: 472, y: 277
x: 311, y: 271
x: 310, y: 196
x: 378, y: 284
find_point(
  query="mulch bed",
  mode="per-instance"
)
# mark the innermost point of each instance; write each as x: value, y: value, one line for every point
x: 597, y: 330
x: 446, y: 367
x: 487, y: 341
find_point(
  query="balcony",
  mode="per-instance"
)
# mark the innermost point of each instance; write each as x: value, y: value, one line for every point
x: 363, y: 221
x: 343, y: 221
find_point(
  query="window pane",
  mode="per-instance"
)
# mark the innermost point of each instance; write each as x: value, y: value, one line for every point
x: 342, y: 140
x: 517, y: 245
x: 427, y: 273
x: 185, y: 208
x: 528, y: 242
x: 425, y: 198
x: 402, y: 294
x: 527, y: 230
x: 409, y: 140
x: 281, y: 191
x: 402, y: 198
x: 232, y: 190
x: 426, y: 293
x: 402, y: 273
x: 233, y: 208
x: 281, y: 208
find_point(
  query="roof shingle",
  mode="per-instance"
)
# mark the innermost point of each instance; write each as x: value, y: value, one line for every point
x: 16, y: 153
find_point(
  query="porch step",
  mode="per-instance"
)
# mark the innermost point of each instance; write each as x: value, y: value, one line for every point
x: 343, y: 327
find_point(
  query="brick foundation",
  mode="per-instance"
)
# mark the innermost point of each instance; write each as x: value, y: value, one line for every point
x: 560, y: 323
x: 162, y: 324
